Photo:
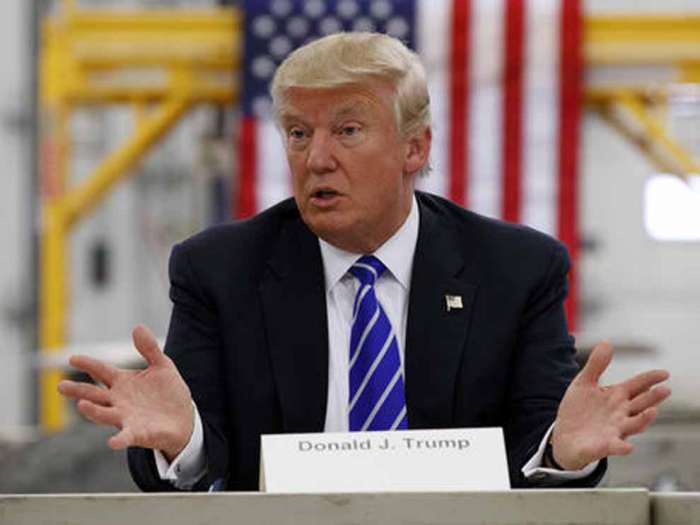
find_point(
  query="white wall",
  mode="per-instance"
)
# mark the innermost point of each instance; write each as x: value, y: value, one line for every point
x: 640, y: 6
x: 139, y: 221
x: 14, y: 213
x: 635, y: 290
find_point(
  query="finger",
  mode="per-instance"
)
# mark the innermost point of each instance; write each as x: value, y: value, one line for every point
x: 76, y: 390
x: 648, y: 399
x: 620, y: 447
x: 147, y: 345
x: 99, y: 414
x: 644, y: 381
x: 597, y: 363
x: 122, y: 439
x: 639, y: 423
x: 99, y: 370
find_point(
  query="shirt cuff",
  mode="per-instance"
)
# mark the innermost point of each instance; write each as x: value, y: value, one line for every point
x: 190, y: 465
x: 534, y: 470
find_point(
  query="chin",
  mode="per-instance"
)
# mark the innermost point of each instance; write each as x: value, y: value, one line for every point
x: 327, y: 229
x: 335, y: 232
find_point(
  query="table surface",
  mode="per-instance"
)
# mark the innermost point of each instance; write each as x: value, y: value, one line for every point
x: 620, y: 507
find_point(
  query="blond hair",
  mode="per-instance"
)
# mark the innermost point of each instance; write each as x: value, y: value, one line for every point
x: 353, y: 58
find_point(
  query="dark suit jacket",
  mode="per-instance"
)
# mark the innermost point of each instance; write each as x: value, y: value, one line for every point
x: 249, y: 334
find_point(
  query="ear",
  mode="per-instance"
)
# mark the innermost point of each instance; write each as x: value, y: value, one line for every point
x: 418, y: 150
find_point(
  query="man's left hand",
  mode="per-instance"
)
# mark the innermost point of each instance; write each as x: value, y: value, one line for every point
x: 595, y: 421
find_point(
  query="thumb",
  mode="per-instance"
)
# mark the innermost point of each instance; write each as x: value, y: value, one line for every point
x: 147, y: 345
x: 597, y: 363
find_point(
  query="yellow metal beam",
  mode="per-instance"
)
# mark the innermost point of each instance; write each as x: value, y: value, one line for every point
x: 60, y: 213
x: 93, y: 56
x: 52, y: 306
x: 170, y: 21
x: 690, y: 73
x: 632, y: 117
x: 56, y: 152
x: 115, y: 168
x: 630, y: 62
x: 204, y: 93
x: 102, y: 57
x: 641, y: 40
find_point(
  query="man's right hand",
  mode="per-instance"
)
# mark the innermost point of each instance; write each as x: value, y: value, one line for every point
x: 152, y: 408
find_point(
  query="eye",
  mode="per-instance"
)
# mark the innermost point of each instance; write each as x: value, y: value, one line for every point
x: 297, y: 137
x: 350, y: 130
x: 296, y: 133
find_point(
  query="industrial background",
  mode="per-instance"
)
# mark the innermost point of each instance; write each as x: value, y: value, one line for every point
x: 124, y: 127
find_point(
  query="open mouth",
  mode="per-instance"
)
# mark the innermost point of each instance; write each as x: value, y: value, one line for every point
x: 324, y: 194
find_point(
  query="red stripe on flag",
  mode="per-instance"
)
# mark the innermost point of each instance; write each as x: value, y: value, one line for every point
x: 459, y: 100
x: 513, y: 108
x: 247, y: 168
x: 571, y: 66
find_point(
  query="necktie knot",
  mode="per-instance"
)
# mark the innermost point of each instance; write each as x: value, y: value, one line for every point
x: 367, y: 269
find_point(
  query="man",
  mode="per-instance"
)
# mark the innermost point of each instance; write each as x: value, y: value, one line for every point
x: 361, y: 304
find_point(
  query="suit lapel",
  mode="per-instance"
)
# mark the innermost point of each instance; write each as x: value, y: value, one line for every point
x: 294, y: 306
x: 435, y: 337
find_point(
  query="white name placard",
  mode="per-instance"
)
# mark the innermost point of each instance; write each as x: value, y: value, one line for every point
x: 402, y: 461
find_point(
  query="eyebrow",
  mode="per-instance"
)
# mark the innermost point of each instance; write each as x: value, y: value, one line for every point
x: 288, y: 118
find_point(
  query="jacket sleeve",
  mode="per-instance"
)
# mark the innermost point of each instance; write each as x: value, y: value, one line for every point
x: 544, y: 365
x: 194, y: 344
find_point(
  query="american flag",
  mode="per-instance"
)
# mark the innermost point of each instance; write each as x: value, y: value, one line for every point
x: 504, y: 79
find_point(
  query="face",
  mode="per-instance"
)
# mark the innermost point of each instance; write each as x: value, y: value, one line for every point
x: 353, y: 174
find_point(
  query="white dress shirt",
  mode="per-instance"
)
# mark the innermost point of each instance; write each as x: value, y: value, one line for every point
x: 392, y: 290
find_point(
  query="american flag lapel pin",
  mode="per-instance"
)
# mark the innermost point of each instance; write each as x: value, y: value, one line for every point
x: 453, y: 302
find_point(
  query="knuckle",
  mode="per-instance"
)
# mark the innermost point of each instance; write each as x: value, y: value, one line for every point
x: 107, y: 394
x: 618, y: 396
x: 660, y: 394
x: 138, y: 437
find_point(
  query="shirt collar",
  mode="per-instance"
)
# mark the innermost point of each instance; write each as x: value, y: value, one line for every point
x: 396, y: 253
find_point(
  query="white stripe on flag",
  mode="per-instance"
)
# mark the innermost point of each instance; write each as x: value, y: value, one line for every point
x: 432, y: 30
x: 485, y: 127
x: 540, y: 129
x: 272, y: 169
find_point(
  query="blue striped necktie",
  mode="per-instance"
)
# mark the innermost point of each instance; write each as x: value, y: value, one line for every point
x: 377, y: 398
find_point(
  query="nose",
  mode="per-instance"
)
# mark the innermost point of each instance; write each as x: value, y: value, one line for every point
x: 321, y: 157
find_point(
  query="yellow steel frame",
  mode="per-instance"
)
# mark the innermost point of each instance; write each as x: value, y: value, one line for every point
x: 634, y: 116
x: 101, y: 57
x: 669, y: 43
